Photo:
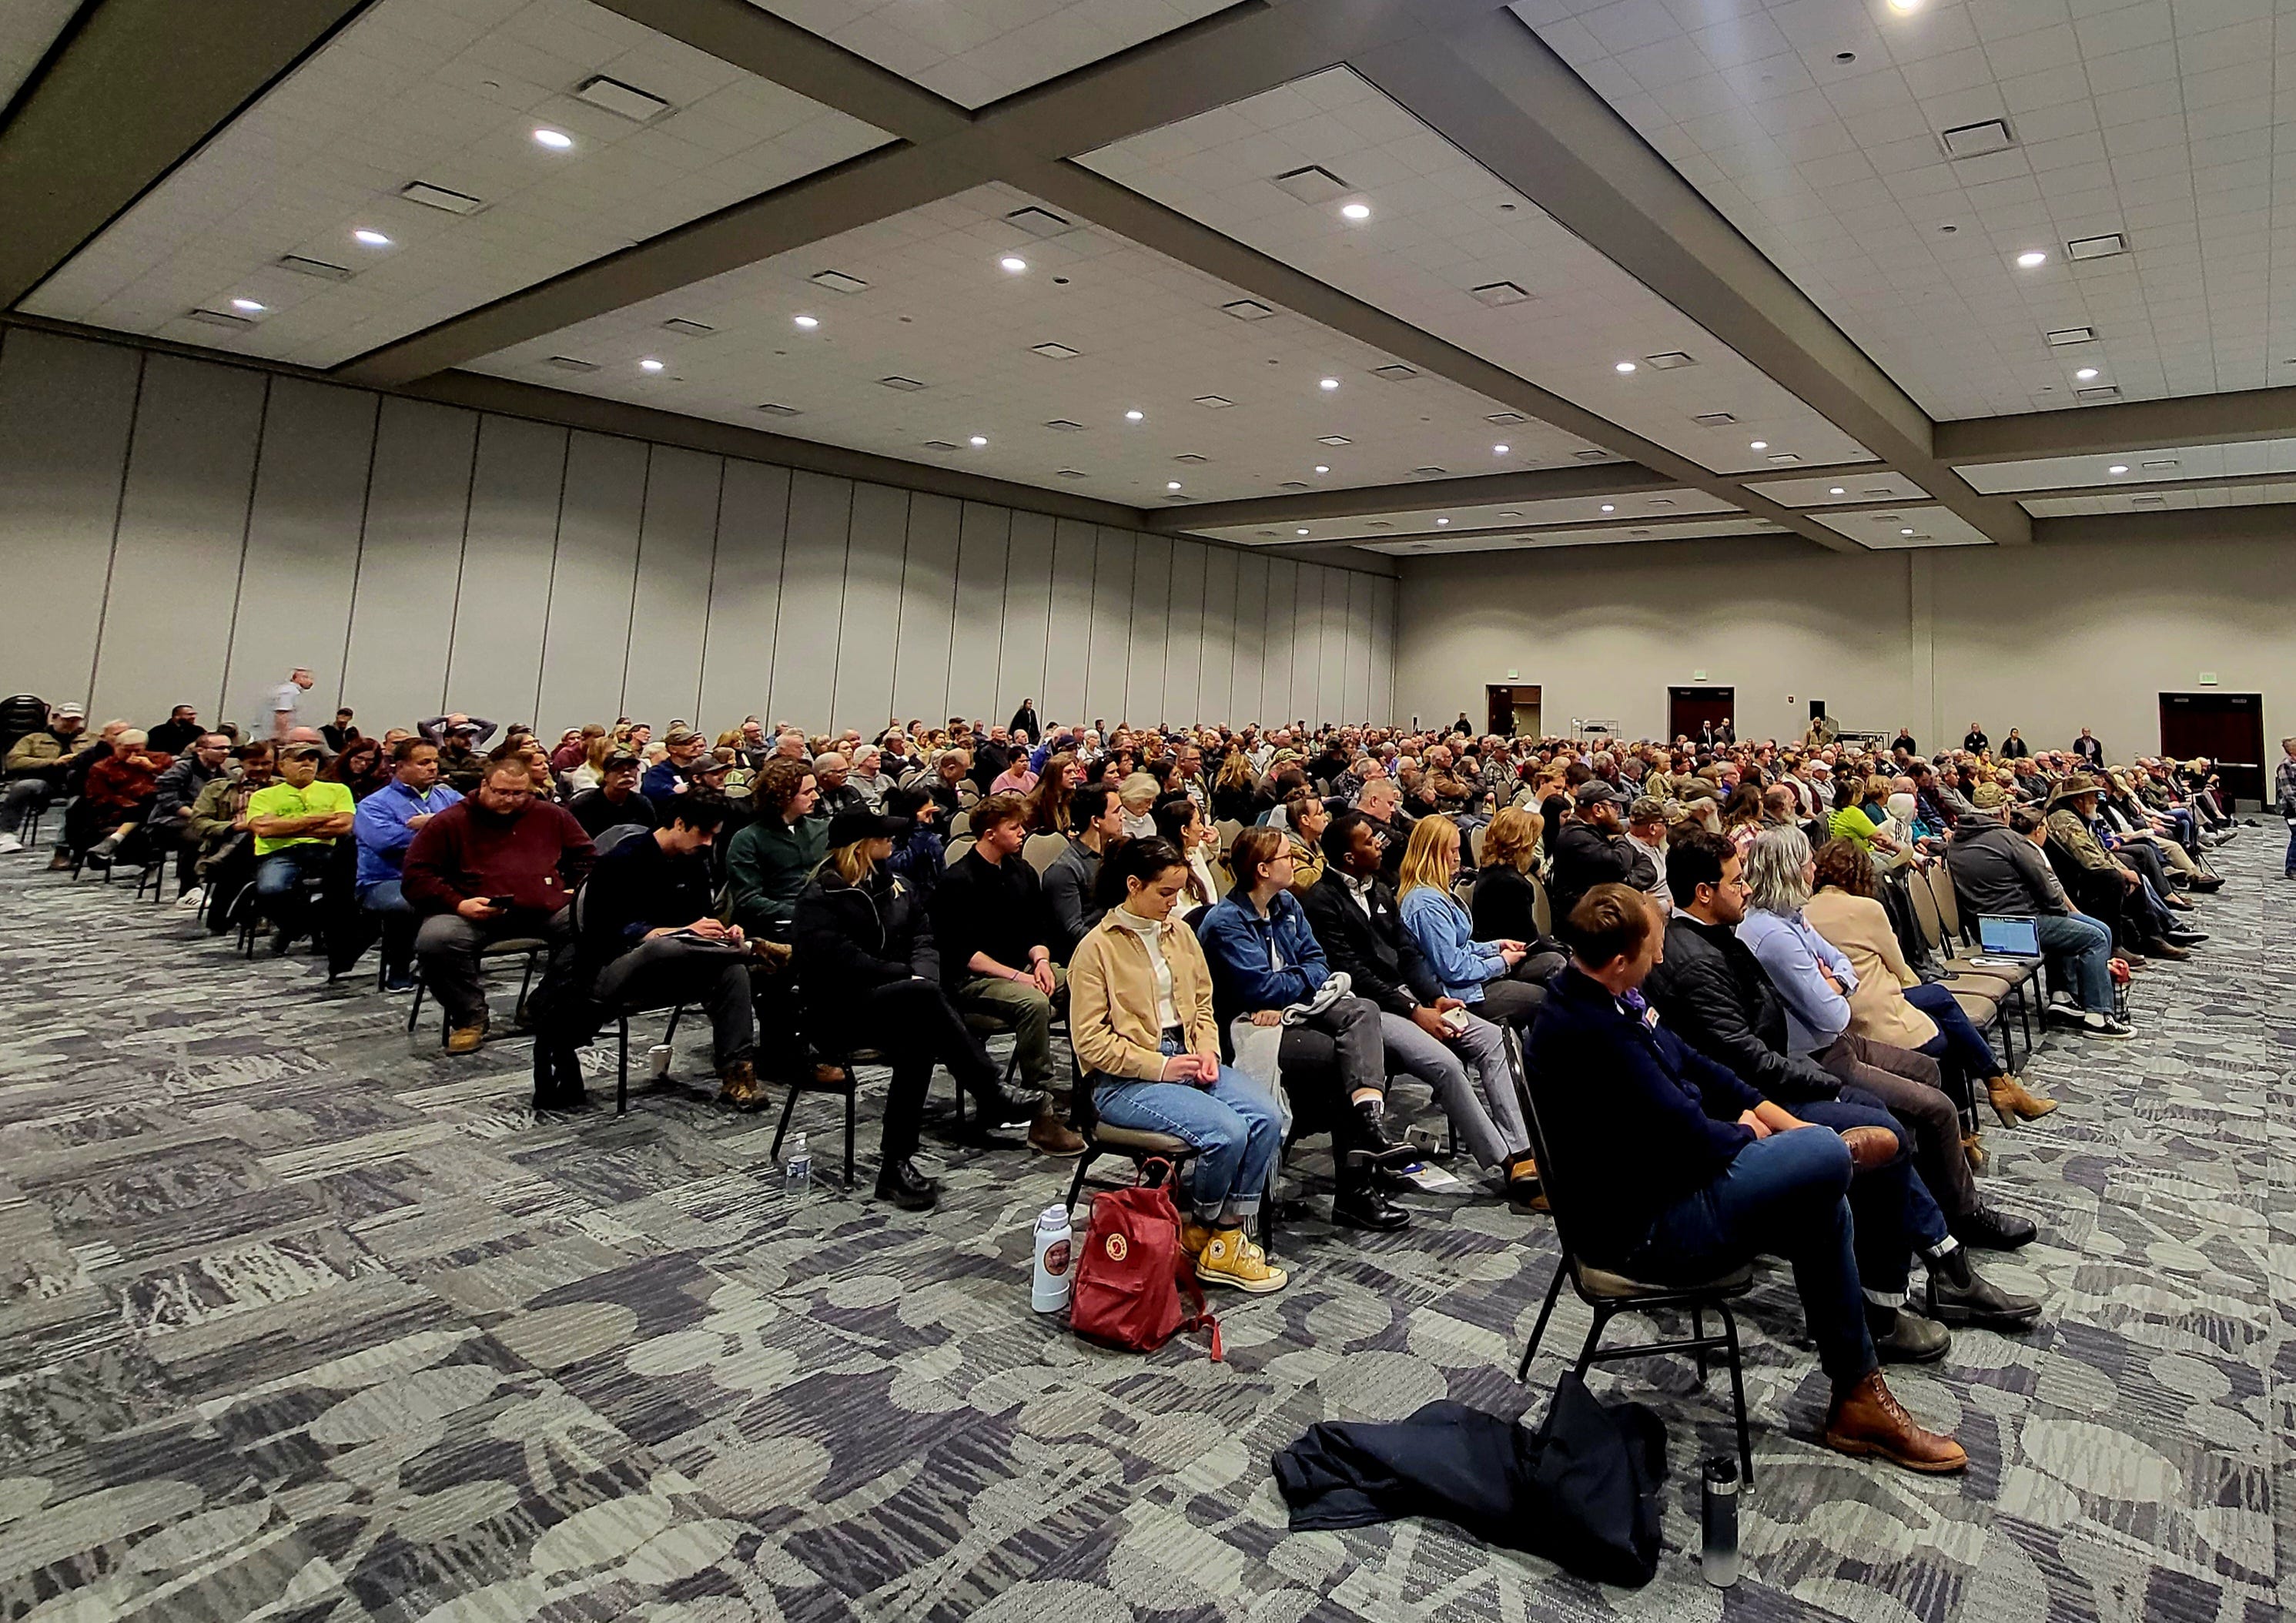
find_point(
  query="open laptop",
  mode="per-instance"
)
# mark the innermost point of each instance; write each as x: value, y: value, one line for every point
x: 2014, y: 937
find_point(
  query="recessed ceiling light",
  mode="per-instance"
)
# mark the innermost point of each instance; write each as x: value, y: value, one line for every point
x: 2031, y: 257
x: 1609, y: 507
x: 1356, y: 211
x: 2119, y: 467
x: 1014, y: 262
x: 1623, y: 367
x: 649, y: 364
x: 808, y: 322
x: 1498, y: 450
x: 1760, y: 445
x: 1170, y: 484
x: 245, y: 304
x: 1328, y: 383
x: 1837, y: 490
x: 978, y: 441
x: 372, y: 239
x: 1905, y: 532
x: 556, y: 140
x: 1133, y: 416
x: 2086, y: 373
x: 1442, y: 521
x: 1301, y: 532
x: 1323, y: 467
x: 1903, y: 7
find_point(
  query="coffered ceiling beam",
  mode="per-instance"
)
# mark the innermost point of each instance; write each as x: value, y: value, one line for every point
x: 2172, y: 528
x: 133, y: 92
x: 1530, y: 485
x: 1671, y: 528
x: 943, y: 148
x: 2239, y: 418
x: 1119, y: 208
x: 1495, y: 91
x: 2151, y: 487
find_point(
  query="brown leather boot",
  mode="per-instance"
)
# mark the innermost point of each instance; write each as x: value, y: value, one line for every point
x: 737, y: 1086
x: 2013, y: 1104
x: 1048, y: 1135
x: 1867, y: 1420
x: 1976, y: 1153
x: 1870, y: 1146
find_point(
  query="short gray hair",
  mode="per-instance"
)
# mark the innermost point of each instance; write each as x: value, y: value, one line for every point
x: 1774, y: 865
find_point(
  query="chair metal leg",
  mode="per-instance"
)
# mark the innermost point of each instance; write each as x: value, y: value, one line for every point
x: 1738, y: 1394
x: 1076, y: 1184
x: 852, y: 1092
x: 1538, y: 1330
x: 1594, y: 1340
x: 670, y: 1032
x: 1698, y: 1332
x: 789, y: 1109
x: 414, y: 1008
x: 621, y: 1065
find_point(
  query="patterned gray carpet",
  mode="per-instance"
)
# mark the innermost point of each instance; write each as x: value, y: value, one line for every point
x: 305, y: 1321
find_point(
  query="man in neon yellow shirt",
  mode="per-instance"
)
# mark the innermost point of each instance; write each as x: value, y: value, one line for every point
x: 296, y: 822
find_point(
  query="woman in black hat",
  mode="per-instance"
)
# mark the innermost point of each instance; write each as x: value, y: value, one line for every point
x: 868, y: 970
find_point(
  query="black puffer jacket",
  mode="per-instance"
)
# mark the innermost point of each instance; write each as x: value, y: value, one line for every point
x: 1584, y: 856
x: 1714, y: 993
x: 850, y: 940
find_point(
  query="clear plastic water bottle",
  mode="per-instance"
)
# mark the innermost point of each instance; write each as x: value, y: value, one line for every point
x: 797, y: 1171
x: 1718, y: 1519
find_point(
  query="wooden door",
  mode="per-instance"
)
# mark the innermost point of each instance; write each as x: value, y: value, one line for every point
x: 2227, y: 728
x: 1690, y: 711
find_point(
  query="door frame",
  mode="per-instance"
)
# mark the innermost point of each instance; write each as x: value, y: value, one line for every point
x: 1700, y: 691
x: 2244, y: 781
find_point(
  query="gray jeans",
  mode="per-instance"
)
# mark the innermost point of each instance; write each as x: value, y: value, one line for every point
x: 678, y: 970
x: 447, y: 947
x: 18, y: 801
x: 1486, y: 1111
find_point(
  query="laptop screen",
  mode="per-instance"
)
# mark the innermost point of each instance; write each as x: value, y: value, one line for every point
x: 2011, y: 937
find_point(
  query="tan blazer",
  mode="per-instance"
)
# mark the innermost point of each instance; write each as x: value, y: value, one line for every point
x: 1860, y: 929
x: 1112, y: 999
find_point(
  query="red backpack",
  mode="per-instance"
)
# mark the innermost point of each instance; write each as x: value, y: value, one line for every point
x: 1131, y: 1270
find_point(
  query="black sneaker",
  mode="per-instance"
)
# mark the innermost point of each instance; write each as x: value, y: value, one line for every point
x: 2188, y: 937
x: 2105, y: 1025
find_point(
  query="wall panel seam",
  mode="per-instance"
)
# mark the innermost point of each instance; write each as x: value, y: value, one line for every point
x: 550, y: 586
x: 246, y: 537
x: 781, y: 590
x: 119, y: 507
x: 359, y: 557
x: 462, y: 563
x: 709, y: 591
x: 637, y: 571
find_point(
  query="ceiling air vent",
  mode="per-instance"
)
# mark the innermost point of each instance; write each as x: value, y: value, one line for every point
x: 616, y: 97
x: 320, y: 268
x: 1054, y: 352
x: 566, y: 363
x: 1506, y: 420
x: 2148, y: 501
x: 1071, y: 474
x: 1975, y: 140
x: 2098, y: 248
x: 1379, y: 524
x: 1192, y: 459
x: 1428, y: 472
x: 2064, y: 337
x: 774, y: 408
x: 1248, y: 310
x: 1590, y: 456
x: 2099, y: 393
x: 1064, y: 426
x: 2159, y: 464
x: 1217, y: 403
x: 1039, y: 222
x: 837, y: 281
x: 1313, y: 184
x: 220, y: 319
x: 908, y: 384
x: 1668, y: 362
x: 1714, y: 420
x: 439, y: 197
x: 688, y: 329
x: 1499, y: 293
x: 1334, y: 439
x: 938, y: 445
x: 1395, y: 372
x: 1783, y: 458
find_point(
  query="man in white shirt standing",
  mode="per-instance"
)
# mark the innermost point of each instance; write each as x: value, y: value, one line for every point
x: 284, y: 699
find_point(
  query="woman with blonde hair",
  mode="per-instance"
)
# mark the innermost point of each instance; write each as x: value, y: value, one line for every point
x: 1506, y: 904
x: 1484, y: 975
x: 1236, y: 791
x: 1304, y: 818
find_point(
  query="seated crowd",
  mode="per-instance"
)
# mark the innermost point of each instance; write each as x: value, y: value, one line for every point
x: 1691, y: 957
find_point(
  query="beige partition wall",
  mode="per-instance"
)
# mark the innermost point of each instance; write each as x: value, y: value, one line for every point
x: 185, y: 531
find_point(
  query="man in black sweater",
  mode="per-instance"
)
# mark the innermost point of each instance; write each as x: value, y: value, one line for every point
x: 1719, y: 999
x: 1673, y: 1169
x: 1592, y: 849
x: 616, y: 801
x: 648, y: 940
x: 990, y: 919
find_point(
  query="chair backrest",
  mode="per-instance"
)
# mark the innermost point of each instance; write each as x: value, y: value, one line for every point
x: 1227, y: 828
x: 1925, y: 915
x: 1542, y: 911
x: 1475, y: 844
x: 960, y: 824
x: 1895, y: 892
x: 1543, y: 1150
x: 956, y: 848
x: 1948, y: 903
x: 1041, y: 851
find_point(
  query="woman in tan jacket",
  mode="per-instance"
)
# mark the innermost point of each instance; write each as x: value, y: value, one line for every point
x: 1891, y: 1004
x: 1140, y: 1016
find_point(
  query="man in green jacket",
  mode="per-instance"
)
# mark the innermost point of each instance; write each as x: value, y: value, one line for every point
x: 769, y: 861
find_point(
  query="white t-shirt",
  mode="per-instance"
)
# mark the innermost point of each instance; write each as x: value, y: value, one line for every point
x: 287, y: 697
x: 1151, y: 937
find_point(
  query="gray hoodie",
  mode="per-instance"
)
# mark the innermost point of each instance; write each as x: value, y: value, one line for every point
x: 1997, y: 871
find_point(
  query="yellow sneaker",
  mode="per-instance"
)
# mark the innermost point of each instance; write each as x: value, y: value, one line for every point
x: 1193, y: 1237
x: 1229, y: 1258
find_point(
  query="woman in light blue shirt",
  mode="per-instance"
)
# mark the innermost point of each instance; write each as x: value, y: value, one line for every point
x: 1812, y: 978
x: 1500, y: 980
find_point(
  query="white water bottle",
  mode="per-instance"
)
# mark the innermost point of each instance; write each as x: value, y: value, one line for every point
x: 1049, y: 1292
x: 797, y: 1171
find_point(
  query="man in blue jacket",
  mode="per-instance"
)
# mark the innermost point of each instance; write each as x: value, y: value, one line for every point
x: 1671, y: 1169
x: 383, y: 826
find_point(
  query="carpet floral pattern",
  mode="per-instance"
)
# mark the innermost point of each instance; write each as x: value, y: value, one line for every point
x: 306, y: 1321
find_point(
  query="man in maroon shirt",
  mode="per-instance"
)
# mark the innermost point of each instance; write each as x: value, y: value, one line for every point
x: 500, y: 863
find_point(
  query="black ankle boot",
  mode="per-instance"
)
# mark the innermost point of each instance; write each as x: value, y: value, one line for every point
x: 899, y: 1182
x: 1373, y: 1147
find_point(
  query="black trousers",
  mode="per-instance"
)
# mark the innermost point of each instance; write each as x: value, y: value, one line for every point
x: 915, y: 1025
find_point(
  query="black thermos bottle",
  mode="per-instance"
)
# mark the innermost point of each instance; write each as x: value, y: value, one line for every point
x: 1719, y: 1517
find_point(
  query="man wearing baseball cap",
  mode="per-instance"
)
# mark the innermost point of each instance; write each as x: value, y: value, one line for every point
x: 1592, y: 849
x: 686, y: 747
x: 35, y: 772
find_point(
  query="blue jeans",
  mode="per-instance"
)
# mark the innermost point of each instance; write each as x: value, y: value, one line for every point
x: 1958, y: 1039
x: 1784, y: 1194
x: 2288, y: 865
x: 1232, y: 1125
x: 279, y: 881
x: 388, y: 898
x: 1893, y: 1205
x: 2080, y: 947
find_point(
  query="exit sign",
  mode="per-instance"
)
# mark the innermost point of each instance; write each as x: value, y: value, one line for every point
x: 1698, y: 675
x: 2208, y: 678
